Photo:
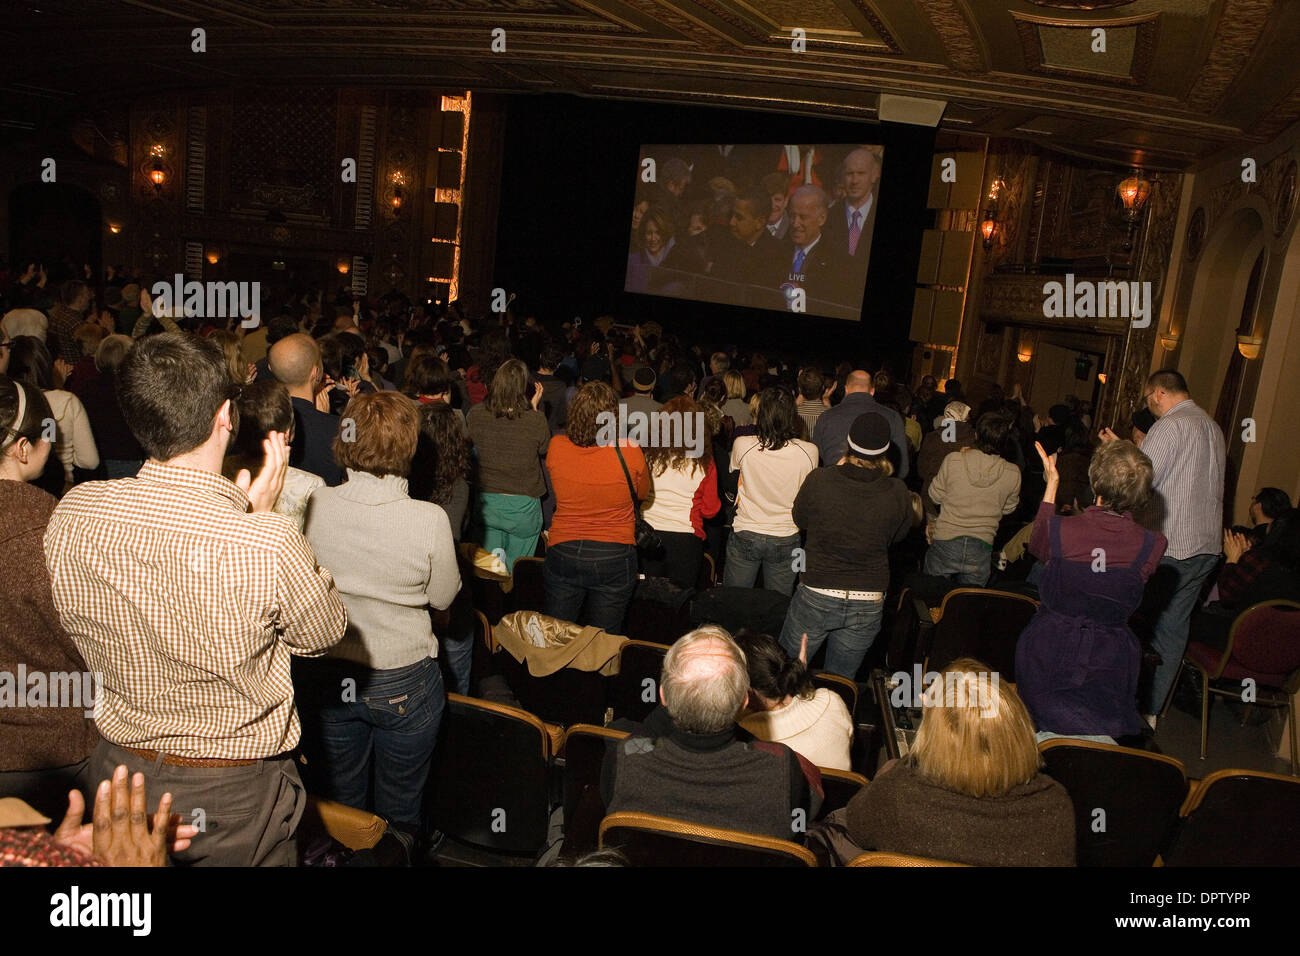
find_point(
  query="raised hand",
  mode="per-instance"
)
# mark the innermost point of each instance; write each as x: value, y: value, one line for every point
x: 537, y: 394
x: 265, y: 489
x: 1107, y: 435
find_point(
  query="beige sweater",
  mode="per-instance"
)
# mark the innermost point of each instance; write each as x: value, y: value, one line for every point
x: 818, y: 729
x: 973, y: 491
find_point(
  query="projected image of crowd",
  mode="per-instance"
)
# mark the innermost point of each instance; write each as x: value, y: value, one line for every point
x: 365, y: 585
x: 773, y: 227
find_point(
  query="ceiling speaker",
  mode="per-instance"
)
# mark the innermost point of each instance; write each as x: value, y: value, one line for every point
x: 910, y: 109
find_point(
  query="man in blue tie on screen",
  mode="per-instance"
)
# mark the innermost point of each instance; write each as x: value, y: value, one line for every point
x: 814, y: 264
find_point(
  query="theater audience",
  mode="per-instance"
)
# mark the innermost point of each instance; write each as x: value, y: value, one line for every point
x: 393, y: 558
x: 953, y: 432
x: 683, y: 493
x: 510, y: 437
x: 43, y: 749
x: 188, y: 595
x: 265, y: 407
x: 784, y: 707
x: 970, y: 790
x: 1077, y: 661
x: 241, y: 370
x: 974, y: 488
x: 1268, y: 505
x: 736, y: 406
x: 67, y: 313
x: 591, y: 560
x: 700, y: 772
x: 832, y: 429
x: 296, y: 363
x: 440, y: 469
x: 773, y: 465
x: 840, y: 600
x: 812, y: 398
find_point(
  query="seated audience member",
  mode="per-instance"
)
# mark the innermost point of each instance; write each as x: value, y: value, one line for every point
x: 295, y: 361
x: 974, y: 488
x: 119, y: 452
x: 700, y: 772
x: 852, y: 513
x: 591, y: 560
x: 116, y: 835
x: 74, y: 443
x: 1268, y: 505
x: 1266, y: 572
x: 1077, y: 662
x: 683, y: 493
x: 393, y: 558
x: 43, y: 750
x: 214, y: 597
x: 785, y: 708
x: 511, y: 437
x: 773, y: 465
x: 970, y: 791
x: 265, y: 407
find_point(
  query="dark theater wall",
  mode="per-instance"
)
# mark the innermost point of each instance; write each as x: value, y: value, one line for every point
x: 567, y: 192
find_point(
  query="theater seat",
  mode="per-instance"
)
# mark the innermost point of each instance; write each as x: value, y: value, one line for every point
x: 846, y: 688
x: 1240, y: 818
x: 355, y: 829
x: 649, y: 840
x: 489, y: 785
x: 839, y: 787
x: 584, y: 754
x: 983, y: 624
x: 634, y: 690
x: 878, y: 858
x: 528, y: 590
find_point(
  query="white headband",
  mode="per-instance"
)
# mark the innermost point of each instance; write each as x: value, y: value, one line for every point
x: 866, y: 451
x: 18, y: 419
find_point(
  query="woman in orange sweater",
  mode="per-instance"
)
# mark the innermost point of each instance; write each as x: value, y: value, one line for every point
x: 591, y: 562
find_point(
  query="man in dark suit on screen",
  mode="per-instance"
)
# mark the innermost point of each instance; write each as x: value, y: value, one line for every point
x: 812, y: 262
x: 750, y: 254
x: 850, y: 220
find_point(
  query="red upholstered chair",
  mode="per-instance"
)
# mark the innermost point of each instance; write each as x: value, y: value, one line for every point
x: 1263, y: 646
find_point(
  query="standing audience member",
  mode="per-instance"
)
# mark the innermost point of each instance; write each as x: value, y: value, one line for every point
x: 190, y: 605
x: 953, y: 432
x: 736, y: 406
x: 683, y: 493
x: 74, y: 443
x: 773, y: 465
x: 511, y: 437
x: 832, y: 429
x: 813, y: 398
x: 119, y: 452
x: 43, y: 750
x: 974, y: 488
x: 296, y: 363
x: 265, y: 407
x: 1187, y: 460
x: 394, y: 558
x: 65, y: 315
x: 852, y: 512
x: 591, y: 561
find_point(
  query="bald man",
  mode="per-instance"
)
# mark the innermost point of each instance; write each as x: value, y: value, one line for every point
x: 831, y: 435
x: 696, y: 766
x: 812, y: 263
x: 296, y: 364
x: 850, y: 220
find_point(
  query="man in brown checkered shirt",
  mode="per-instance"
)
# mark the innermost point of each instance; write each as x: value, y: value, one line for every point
x: 189, y: 594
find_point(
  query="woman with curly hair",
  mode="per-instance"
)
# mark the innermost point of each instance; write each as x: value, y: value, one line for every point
x: 591, y: 562
x: 683, y: 492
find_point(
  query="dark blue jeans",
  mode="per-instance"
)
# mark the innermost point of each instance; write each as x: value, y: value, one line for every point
x: 1181, y: 581
x: 850, y: 626
x: 966, y: 560
x: 358, y: 721
x: 748, y: 551
x: 597, y: 575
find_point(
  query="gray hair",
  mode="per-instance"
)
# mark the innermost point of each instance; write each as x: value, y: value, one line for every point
x: 111, y: 351
x: 815, y: 191
x: 704, y: 699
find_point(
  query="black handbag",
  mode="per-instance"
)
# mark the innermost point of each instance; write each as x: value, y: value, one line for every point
x: 647, y: 538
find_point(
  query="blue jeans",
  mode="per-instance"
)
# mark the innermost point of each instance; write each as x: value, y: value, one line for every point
x: 966, y: 559
x: 385, y: 722
x: 598, y: 574
x: 850, y: 626
x: 747, y: 551
x: 1184, y: 579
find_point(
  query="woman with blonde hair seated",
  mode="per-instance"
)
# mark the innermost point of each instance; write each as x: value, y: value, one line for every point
x: 971, y: 789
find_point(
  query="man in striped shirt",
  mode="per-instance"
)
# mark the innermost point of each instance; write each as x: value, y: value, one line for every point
x: 188, y: 594
x: 1186, y: 449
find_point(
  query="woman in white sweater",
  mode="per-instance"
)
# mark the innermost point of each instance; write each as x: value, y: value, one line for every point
x: 392, y: 559
x: 783, y: 706
x: 74, y: 443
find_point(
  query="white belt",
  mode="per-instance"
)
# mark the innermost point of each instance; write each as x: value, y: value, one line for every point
x: 850, y: 595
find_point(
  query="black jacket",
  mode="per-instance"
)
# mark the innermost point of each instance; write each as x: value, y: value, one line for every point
x: 852, y: 516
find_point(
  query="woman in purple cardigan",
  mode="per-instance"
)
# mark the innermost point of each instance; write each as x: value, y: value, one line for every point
x: 1077, y: 661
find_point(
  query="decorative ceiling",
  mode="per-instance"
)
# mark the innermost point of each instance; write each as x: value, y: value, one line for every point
x: 1164, y: 82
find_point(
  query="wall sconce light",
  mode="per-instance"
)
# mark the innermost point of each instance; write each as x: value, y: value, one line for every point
x: 399, y: 180
x: 213, y: 257
x: 1024, y: 354
x: 343, y: 266
x: 114, y: 228
x: 1133, y: 193
x: 1249, y: 345
x: 157, y: 173
x: 989, y: 225
x: 1101, y: 377
x: 1169, y: 340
